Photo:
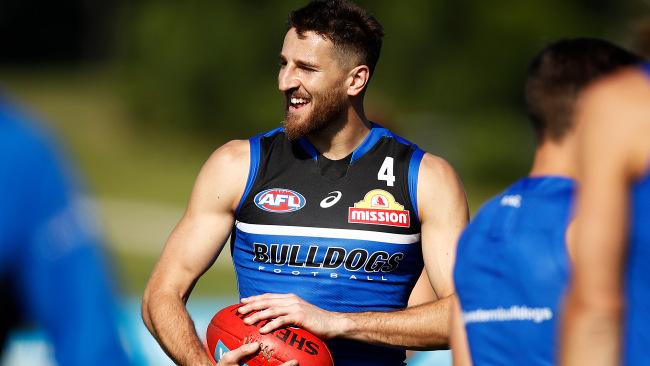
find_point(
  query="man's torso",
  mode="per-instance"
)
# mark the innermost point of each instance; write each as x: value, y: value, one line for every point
x: 345, y: 237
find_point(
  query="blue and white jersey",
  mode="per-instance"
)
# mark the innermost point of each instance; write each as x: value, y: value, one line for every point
x: 637, y: 322
x: 511, y: 271
x: 51, y: 265
x: 343, y: 235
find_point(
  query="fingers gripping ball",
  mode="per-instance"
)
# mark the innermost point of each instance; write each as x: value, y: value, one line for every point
x: 228, y: 331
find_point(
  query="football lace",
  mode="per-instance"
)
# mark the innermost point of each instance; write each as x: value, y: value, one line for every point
x: 265, y: 350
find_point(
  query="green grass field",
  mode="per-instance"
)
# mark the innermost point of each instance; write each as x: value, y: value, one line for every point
x: 141, y: 179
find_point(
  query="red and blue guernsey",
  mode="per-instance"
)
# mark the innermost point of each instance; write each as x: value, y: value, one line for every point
x: 511, y: 271
x: 343, y: 235
x: 637, y: 322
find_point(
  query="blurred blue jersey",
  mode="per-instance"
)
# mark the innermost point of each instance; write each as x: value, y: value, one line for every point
x: 511, y: 271
x: 637, y: 323
x: 50, y: 263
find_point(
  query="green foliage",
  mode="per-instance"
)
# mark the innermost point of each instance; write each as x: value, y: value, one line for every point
x: 204, y: 67
x: 449, y: 68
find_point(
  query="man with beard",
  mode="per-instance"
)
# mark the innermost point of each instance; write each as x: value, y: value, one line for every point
x: 512, y: 263
x: 331, y: 207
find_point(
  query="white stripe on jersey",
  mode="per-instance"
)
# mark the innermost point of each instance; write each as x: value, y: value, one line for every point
x: 321, y: 232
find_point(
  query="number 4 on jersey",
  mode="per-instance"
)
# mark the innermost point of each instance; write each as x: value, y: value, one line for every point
x: 386, y: 172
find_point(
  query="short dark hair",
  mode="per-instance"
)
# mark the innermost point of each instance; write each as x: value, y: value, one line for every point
x: 559, y: 73
x: 348, y: 26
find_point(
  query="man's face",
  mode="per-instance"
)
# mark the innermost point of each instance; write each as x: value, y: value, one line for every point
x: 313, y: 82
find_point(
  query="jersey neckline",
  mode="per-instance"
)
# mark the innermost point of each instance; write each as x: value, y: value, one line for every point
x: 374, y: 135
x: 542, y: 183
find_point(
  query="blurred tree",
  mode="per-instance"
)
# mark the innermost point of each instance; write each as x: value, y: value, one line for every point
x: 205, y: 67
x: 451, y: 72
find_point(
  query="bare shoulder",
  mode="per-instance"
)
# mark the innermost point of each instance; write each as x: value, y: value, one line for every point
x: 439, y: 186
x: 231, y: 154
x: 223, y: 176
x: 436, y: 163
x: 624, y: 94
x: 229, y: 160
x: 614, y: 113
x: 436, y: 172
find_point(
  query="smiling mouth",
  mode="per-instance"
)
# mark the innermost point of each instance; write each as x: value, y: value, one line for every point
x: 298, y: 103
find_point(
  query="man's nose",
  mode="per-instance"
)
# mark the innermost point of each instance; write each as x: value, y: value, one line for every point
x: 287, y: 79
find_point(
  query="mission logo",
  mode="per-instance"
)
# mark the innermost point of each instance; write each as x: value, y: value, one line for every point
x: 279, y: 200
x: 378, y: 207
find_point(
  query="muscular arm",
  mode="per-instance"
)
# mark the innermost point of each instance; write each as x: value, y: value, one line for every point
x: 422, y: 292
x: 612, y: 126
x: 443, y: 214
x: 422, y: 327
x: 191, y: 249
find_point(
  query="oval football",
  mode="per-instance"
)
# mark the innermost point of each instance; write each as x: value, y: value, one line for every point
x: 228, y: 331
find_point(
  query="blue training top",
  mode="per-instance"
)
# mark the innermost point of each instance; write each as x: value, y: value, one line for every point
x: 637, y: 322
x: 50, y: 262
x: 343, y: 235
x: 511, y: 271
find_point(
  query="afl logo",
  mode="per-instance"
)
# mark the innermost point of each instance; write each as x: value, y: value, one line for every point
x: 280, y: 200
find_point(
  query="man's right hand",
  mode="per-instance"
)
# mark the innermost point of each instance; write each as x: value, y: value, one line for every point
x: 235, y: 357
x: 288, y: 309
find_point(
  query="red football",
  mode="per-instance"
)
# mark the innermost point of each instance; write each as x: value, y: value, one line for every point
x: 228, y: 331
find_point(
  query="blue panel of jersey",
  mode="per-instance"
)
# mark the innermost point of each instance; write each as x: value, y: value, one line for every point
x: 637, y: 322
x: 341, y: 286
x: 637, y: 326
x: 327, y: 260
x: 646, y: 67
x: 511, y: 271
x: 377, y: 286
x: 48, y: 250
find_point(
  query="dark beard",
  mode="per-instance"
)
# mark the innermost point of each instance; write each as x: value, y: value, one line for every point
x: 327, y: 108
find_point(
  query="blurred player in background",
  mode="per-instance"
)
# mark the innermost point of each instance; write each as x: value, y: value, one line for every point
x: 331, y: 207
x: 513, y: 257
x: 608, y: 312
x: 513, y: 260
x: 52, y: 270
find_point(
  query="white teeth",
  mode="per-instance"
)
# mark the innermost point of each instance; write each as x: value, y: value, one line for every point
x: 298, y: 101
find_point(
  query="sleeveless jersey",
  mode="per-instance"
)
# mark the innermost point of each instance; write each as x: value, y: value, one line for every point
x: 511, y: 271
x: 637, y: 332
x: 345, y: 243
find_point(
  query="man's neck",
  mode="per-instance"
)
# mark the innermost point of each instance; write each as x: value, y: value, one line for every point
x: 341, y: 137
x: 553, y: 158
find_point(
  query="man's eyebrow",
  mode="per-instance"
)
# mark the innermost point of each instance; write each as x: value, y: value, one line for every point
x: 299, y: 63
x: 306, y: 64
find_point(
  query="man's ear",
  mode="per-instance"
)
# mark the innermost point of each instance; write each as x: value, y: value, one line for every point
x: 358, y: 79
